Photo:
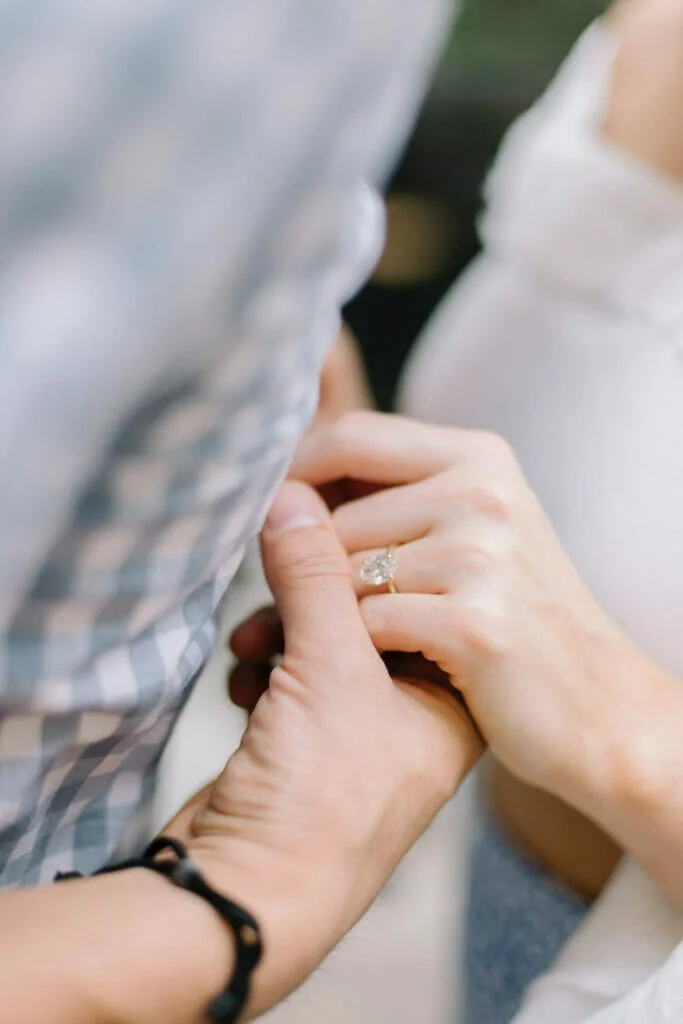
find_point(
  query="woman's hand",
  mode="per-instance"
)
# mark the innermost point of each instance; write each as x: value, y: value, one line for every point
x: 340, y: 769
x: 487, y: 592
x: 565, y: 700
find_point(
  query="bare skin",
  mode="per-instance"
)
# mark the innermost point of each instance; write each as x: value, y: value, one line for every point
x: 485, y: 591
x: 559, y: 838
x: 644, y: 120
x: 344, y: 385
x: 339, y: 771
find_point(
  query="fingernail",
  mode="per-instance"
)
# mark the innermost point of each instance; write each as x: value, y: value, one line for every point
x: 296, y: 507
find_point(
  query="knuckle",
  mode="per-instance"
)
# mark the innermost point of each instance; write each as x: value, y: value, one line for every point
x: 313, y: 559
x: 317, y: 565
x: 352, y: 427
x: 484, y: 627
x: 482, y: 552
x: 493, y: 497
x: 493, y: 445
x: 487, y: 547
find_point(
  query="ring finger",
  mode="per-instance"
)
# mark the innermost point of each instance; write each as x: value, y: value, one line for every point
x: 420, y: 568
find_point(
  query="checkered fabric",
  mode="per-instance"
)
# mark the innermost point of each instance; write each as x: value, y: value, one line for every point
x: 183, y: 209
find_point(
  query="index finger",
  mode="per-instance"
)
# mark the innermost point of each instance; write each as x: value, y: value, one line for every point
x: 378, y: 448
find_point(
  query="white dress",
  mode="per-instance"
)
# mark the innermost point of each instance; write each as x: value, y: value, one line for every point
x: 566, y: 336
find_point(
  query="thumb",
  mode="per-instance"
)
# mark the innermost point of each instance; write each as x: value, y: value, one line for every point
x: 310, y: 576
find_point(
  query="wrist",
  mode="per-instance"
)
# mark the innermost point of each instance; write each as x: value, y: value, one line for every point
x: 172, y: 948
x: 629, y: 779
x: 304, y: 898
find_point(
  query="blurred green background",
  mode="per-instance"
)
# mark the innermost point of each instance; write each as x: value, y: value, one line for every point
x: 521, y: 39
x: 502, y: 55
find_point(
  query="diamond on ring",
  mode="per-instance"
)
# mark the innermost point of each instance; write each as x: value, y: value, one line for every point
x: 380, y: 570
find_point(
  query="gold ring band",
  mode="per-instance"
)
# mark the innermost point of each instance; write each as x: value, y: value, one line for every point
x: 391, y: 585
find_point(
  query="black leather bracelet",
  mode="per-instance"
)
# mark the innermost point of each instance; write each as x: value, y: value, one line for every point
x: 226, y: 1007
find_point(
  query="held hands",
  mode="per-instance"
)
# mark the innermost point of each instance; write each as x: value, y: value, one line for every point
x: 486, y: 592
x: 341, y: 768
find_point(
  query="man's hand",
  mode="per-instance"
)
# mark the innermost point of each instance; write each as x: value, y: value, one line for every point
x: 340, y: 769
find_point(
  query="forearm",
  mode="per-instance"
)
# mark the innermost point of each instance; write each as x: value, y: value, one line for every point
x: 132, y: 947
x: 633, y: 788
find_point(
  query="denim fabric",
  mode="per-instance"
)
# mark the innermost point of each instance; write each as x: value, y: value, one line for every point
x: 518, y: 920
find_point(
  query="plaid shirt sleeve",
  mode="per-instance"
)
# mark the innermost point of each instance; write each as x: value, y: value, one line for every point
x: 183, y: 208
